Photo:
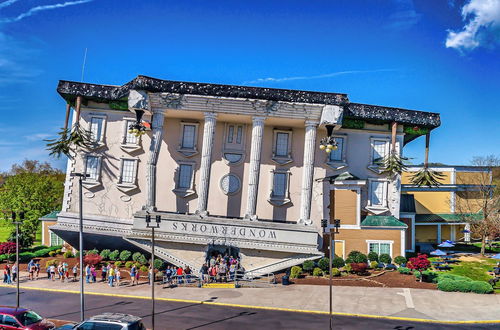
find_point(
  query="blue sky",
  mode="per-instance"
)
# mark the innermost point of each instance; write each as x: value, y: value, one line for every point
x: 441, y: 56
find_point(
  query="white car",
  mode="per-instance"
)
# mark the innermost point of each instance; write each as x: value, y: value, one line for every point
x: 108, y: 321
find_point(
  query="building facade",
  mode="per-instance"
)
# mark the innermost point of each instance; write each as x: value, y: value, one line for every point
x: 436, y: 214
x: 234, y: 169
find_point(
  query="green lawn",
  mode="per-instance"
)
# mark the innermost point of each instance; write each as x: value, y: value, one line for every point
x: 476, y: 270
x: 5, y: 229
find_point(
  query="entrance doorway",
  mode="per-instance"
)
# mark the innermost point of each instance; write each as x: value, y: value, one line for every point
x: 223, y: 250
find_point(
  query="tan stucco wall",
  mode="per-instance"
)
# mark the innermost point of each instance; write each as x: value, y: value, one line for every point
x: 45, y: 230
x: 427, y: 202
x: 356, y: 239
x: 475, y: 178
x: 445, y: 232
x: 425, y: 234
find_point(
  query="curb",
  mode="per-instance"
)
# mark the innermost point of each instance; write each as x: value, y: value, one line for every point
x: 281, y: 309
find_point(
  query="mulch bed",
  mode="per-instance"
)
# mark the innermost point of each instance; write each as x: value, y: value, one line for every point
x: 389, y: 279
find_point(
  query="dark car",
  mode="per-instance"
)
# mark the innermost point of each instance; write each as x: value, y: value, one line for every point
x: 108, y: 321
x: 22, y: 318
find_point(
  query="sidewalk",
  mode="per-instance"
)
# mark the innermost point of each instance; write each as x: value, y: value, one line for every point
x: 386, y: 302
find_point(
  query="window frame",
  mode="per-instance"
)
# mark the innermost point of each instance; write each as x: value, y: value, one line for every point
x: 234, y: 148
x: 58, y: 238
x: 87, y: 181
x: 239, y: 184
x: 101, y: 141
x: 126, y: 146
x: 342, y: 163
x: 126, y: 186
x: 391, y: 245
x: 384, y: 206
x: 188, y: 152
x: 279, y: 159
x: 372, y: 165
x: 184, y: 192
x: 280, y: 200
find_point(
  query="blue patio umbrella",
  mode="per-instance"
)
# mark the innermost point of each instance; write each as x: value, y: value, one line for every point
x: 496, y: 256
x: 438, y: 253
x: 465, y: 231
x: 446, y: 244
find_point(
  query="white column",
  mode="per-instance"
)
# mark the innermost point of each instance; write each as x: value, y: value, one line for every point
x: 255, y: 154
x: 467, y: 235
x: 206, y: 161
x: 154, y: 149
x: 308, y: 172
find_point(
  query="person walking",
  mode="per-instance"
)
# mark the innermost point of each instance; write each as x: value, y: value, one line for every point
x: 6, y: 274
x: 133, y: 270
x: 75, y: 272
x: 111, y: 276
x: 104, y: 270
x: 204, y: 273
x: 180, y: 275
x: 94, y: 274
x: 117, y: 276
x: 37, y: 265
x: 88, y: 273
x: 31, y: 270
x: 52, y: 271
x: 65, y: 269
x: 14, y: 273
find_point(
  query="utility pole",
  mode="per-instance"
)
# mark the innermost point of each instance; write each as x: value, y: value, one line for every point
x: 18, y: 273
x: 327, y: 230
x: 152, y: 275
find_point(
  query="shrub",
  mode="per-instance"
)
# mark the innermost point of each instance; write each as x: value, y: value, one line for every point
x: 68, y: 254
x: 359, y: 268
x: 92, y: 259
x: 125, y: 255
x: 324, y: 264
x: 374, y: 264
x: 429, y: 276
x: 420, y: 263
x: 105, y: 254
x: 447, y: 285
x: 113, y: 256
x: 480, y: 287
x: 452, y: 277
x: 348, y: 268
x: 118, y: 263
x: 158, y: 264
x: 93, y: 251
x: 50, y: 263
x: 142, y: 260
x: 400, y: 260
x: 52, y: 253
x: 295, y: 272
x: 77, y: 254
x: 317, y: 272
x: 404, y: 270
x: 3, y: 257
x: 356, y: 257
x: 385, y: 258
x: 144, y: 269
x: 24, y: 256
x: 129, y: 264
x: 136, y: 256
x: 58, y: 251
x: 391, y: 267
x: 335, y: 272
x: 7, y: 248
x: 308, y: 266
x: 373, y: 256
x: 42, y: 253
x: 338, y: 262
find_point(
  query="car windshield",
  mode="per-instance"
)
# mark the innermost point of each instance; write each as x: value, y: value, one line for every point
x: 96, y: 325
x: 29, y: 317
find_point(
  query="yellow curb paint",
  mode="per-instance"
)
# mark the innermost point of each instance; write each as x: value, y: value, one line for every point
x: 201, y: 302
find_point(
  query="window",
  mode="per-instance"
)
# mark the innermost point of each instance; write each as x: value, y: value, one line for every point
x: 55, y: 240
x: 9, y: 321
x: 377, y: 193
x: 380, y: 247
x: 128, y: 171
x: 230, y: 184
x: 380, y: 149
x: 188, y: 136
x: 96, y: 128
x: 337, y: 154
x: 279, y: 184
x: 129, y: 137
x: 185, y: 176
x: 234, y: 135
x: 281, y: 144
x: 233, y: 144
x: 92, y: 168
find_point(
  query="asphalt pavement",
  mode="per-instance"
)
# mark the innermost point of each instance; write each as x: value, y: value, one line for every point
x: 178, y: 315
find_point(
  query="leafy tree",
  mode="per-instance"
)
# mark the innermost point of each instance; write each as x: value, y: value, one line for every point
x: 419, y: 263
x: 35, y: 188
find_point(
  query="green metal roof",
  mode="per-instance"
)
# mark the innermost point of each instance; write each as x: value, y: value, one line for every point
x: 448, y: 217
x: 343, y: 177
x: 51, y: 216
x: 382, y: 221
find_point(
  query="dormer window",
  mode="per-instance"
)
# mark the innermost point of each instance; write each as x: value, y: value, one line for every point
x: 188, y: 139
x: 282, y: 146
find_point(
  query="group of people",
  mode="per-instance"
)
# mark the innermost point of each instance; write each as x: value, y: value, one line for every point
x: 61, y: 271
x: 109, y: 273
x: 9, y: 273
x: 177, y: 275
x: 220, y: 268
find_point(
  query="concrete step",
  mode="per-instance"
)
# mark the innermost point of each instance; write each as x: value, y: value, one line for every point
x: 219, y: 286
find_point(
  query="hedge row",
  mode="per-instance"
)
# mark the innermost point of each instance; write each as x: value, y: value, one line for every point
x: 28, y: 254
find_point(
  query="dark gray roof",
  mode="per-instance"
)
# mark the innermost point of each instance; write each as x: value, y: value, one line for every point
x: 106, y: 92
x: 407, y: 203
x: 70, y: 89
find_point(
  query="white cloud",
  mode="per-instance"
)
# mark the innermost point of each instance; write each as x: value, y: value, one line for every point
x: 38, y: 136
x: 405, y: 17
x: 482, y: 28
x: 320, y: 76
x: 36, y: 9
x: 7, y: 3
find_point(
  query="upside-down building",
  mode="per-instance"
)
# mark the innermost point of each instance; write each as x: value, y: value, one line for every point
x: 234, y: 169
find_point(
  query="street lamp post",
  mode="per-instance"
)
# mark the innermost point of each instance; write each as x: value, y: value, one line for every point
x: 152, y: 276
x: 328, y: 230
x: 18, y: 273
x: 81, y: 176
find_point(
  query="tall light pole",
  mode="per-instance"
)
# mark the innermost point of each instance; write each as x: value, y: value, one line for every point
x: 81, y: 176
x: 18, y: 273
x: 328, y: 231
x: 152, y: 276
